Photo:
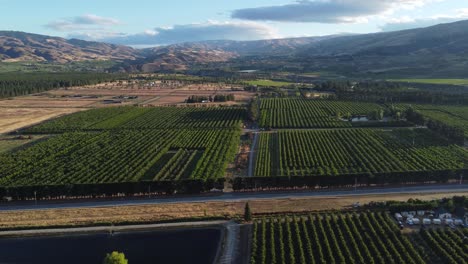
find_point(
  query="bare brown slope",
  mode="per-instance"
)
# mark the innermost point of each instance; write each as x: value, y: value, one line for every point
x: 20, y: 46
x: 179, y: 57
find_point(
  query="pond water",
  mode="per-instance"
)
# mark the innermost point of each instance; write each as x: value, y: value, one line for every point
x: 174, y: 246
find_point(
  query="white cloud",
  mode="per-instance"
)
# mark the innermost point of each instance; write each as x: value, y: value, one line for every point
x: 95, y: 20
x: 95, y: 35
x: 84, y: 22
x: 327, y: 11
x: 151, y: 32
x: 210, y: 30
x: 406, y: 22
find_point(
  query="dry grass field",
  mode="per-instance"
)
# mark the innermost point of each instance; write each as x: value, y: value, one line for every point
x: 44, y: 101
x: 15, y: 118
x: 162, y: 212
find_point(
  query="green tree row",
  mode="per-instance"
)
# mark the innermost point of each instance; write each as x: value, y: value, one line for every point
x: 22, y: 84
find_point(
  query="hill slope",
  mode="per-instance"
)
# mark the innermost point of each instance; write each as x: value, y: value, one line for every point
x: 442, y: 38
x: 179, y: 57
x: 440, y: 50
x: 20, y: 46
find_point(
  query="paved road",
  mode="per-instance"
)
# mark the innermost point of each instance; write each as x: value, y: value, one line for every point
x: 230, y: 244
x: 274, y: 130
x: 80, y: 230
x: 233, y: 197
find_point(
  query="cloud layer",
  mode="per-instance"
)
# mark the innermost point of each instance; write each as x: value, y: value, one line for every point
x: 211, y: 30
x: 84, y: 22
x: 325, y: 11
x: 403, y: 23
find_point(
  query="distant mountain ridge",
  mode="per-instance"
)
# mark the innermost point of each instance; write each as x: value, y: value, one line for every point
x: 255, y: 47
x: 183, y: 55
x: 178, y: 57
x: 20, y: 46
x: 450, y: 38
x: 439, y: 50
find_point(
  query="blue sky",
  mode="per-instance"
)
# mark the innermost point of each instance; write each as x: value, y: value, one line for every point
x: 156, y: 22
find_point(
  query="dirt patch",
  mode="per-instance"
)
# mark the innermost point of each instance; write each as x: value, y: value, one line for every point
x: 161, y: 212
x: 45, y: 102
x: 12, y: 119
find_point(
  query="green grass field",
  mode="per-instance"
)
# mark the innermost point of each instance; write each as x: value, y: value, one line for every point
x: 434, y: 81
x: 268, y: 83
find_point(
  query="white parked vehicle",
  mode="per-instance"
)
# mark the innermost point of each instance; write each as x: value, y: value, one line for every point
x: 416, y: 221
x: 437, y: 221
x: 445, y: 216
x: 449, y: 221
x: 427, y: 221
x: 398, y: 217
x: 458, y: 222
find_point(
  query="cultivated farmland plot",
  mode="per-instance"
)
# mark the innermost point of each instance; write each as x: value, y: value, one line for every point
x: 351, y: 238
x: 127, y: 144
x: 355, y: 151
x: 305, y: 113
x: 144, y: 118
x: 456, y: 116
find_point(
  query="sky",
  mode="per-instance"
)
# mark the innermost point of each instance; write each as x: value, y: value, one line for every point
x: 159, y: 22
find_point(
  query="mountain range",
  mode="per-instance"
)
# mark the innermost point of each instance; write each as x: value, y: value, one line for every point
x: 19, y: 46
x: 439, y: 50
